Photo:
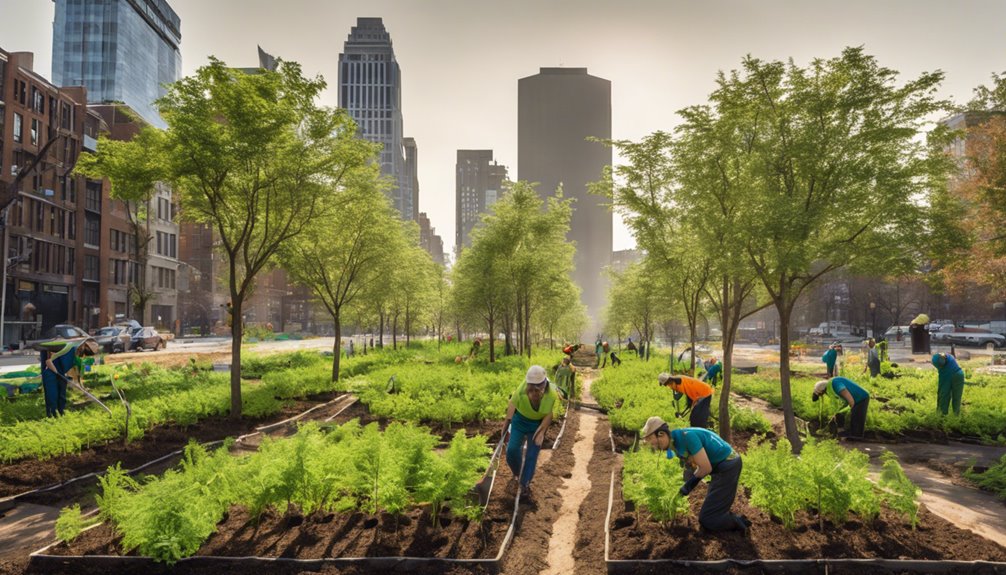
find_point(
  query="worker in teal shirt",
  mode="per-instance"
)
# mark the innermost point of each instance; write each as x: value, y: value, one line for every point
x: 530, y: 411
x: 950, y: 384
x: 830, y: 358
x: 844, y: 390
x: 702, y: 453
x: 713, y: 371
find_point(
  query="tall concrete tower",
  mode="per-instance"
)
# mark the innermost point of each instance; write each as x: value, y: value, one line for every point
x: 370, y: 88
x: 557, y: 110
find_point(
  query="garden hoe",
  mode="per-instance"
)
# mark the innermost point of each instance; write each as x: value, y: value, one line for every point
x: 484, y: 487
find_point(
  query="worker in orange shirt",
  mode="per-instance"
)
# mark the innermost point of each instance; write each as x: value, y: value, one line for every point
x: 699, y: 396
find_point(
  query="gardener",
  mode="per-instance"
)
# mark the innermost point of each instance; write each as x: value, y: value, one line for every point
x: 528, y: 416
x: 631, y: 347
x: 702, y: 453
x: 950, y: 383
x: 476, y: 346
x: 830, y: 358
x: 698, y: 393
x: 59, y: 364
x: 714, y: 369
x: 565, y: 379
x: 845, y: 390
x: 872, y: 358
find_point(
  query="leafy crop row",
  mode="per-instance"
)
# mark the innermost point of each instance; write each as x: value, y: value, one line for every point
x: 651, y: 480
x: 350, y: 468
x: 993, y: 479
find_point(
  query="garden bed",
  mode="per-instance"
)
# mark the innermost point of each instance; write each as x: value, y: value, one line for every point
x: 634, y: 538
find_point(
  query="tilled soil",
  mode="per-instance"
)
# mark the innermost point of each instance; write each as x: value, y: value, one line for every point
x: 29, y: 474
x: 589, y: 552
x: 635, y: 536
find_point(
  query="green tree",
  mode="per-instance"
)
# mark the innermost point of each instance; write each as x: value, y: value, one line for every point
x: 254, y: 157
x: 343, y: 256
x: 834, y: 170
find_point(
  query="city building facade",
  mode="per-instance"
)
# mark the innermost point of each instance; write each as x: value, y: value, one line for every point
x: 370, y: 89
x: 557, y: 110
x: 479, y: 183
x: 429, y: 240
x: 120, y: 50
x: 52, y: 237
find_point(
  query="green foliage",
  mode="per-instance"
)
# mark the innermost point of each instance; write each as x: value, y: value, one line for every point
x: 993, y: 479
x: 897, y: 490
x: 773, y: 475
x: 652, y: 481
x: 745, y: 419
x: 70, y: 523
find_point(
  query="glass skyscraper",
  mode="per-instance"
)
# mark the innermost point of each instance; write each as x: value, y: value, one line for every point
x: 370, y: 88
x: 120, y: 50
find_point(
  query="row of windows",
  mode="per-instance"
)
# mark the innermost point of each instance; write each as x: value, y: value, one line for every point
x: 44, y: 218
x: 121, y: 272
x: 163, y: 277
x: 167, y: 245
x: 120, y: 241
x: 41, y: 256
x: 165, y: 210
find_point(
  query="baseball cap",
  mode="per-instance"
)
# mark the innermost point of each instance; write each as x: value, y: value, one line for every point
x: 536, y: 375
x: 819, y: 388
x: 663, y: 377
x: 652, y: 425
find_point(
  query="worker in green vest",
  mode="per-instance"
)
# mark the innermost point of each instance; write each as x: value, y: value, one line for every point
x: 528, y: 416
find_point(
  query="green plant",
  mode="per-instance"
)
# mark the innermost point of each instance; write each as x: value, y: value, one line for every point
x: 775, y: 478
x: 897, y: 490
x: 652, y: 481
x: 70, y: 523
x: 993, y: 479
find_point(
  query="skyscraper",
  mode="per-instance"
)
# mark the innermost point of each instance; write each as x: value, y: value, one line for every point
x: 479, y: 183
x: 410, y: 180
x: 557, y: 109
x: 370, y: 88
x: 120, y: 50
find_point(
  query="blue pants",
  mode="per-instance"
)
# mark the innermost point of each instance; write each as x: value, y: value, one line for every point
x: 55, y: 395
x: 522, y: 429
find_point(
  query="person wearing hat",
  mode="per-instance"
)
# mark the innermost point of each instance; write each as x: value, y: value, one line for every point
x: 565, y: 379
x: 714, y: 369
x: 528, y: 416
x: 59, y: 363
x: 702, y: 453
x: 830, y: 358
x: 699, y: 396
x: 872, y: 358
x: 950, y: 383
x: 845, y: 390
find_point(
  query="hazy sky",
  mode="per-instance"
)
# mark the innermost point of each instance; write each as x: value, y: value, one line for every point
x: 461, y: 59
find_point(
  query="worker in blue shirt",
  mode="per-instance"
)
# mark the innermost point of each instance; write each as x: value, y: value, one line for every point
x: 846, y: 391
x: 830, y: 358
x: 703, y: 453
x: 59, y: 363
x: 950, y: 384
x: 714, y: 369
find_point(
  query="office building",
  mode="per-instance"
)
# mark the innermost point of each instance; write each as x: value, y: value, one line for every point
x: 557, y: 110
x: 122, y: 51
x: 479, y: 182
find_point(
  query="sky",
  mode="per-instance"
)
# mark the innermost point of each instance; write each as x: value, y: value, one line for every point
x: 461, y: 59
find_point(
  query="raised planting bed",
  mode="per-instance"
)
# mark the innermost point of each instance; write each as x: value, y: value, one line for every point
x: 418, y: 535
x: 636, y: 543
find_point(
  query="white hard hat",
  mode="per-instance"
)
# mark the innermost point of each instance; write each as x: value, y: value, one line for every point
x: 536, y: 375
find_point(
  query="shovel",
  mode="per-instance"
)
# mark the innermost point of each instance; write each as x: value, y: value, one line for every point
x: 484, y: 487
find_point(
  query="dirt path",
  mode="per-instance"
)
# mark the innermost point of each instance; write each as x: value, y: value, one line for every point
x: 965, y: 507
x: 573, y: 491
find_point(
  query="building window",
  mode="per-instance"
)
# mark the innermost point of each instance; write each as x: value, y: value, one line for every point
x: 92, y: 196
x: 34, y: 131
x: 37, y: 100
x: 18, y: 120
x: 92, y: 269
x: 92, y: 231
x: 172, y: 245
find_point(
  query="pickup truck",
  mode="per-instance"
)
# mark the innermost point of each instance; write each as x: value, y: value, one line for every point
x: 947, y: 334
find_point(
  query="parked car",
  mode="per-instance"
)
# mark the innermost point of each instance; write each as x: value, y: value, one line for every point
x: 147, y: 338
x: 892, y: 332
x: 947, y: 334
x: 58, y: 331
x: 114, y: 339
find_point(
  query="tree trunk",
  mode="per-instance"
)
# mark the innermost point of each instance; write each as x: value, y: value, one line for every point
x: 492, y: 340
x: 380, y: 335
x: 237, y: 330
x: 785, y: 311
x: 394, y: 331
x: 337, y: 352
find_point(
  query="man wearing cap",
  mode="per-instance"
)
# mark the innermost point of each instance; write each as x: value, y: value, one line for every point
x: 528, y: 416
x: 699, y: 396
x: 702, y: 453
x: 830, y: 358
x: 950, y: 383
x: 59, y: 362
x: 844, y: 390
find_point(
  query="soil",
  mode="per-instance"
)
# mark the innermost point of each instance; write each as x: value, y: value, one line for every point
x: 29, y: 474
x: 589, y: 549
x: 636, y: 536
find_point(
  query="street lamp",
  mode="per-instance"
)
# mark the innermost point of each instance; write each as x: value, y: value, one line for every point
x: 873, y: 312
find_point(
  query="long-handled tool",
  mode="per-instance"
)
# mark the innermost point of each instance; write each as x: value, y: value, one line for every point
x: 484, y: 487
x: 83, y: 390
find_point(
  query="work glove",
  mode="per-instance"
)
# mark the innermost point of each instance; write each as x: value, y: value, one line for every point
x: 689, y: 485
